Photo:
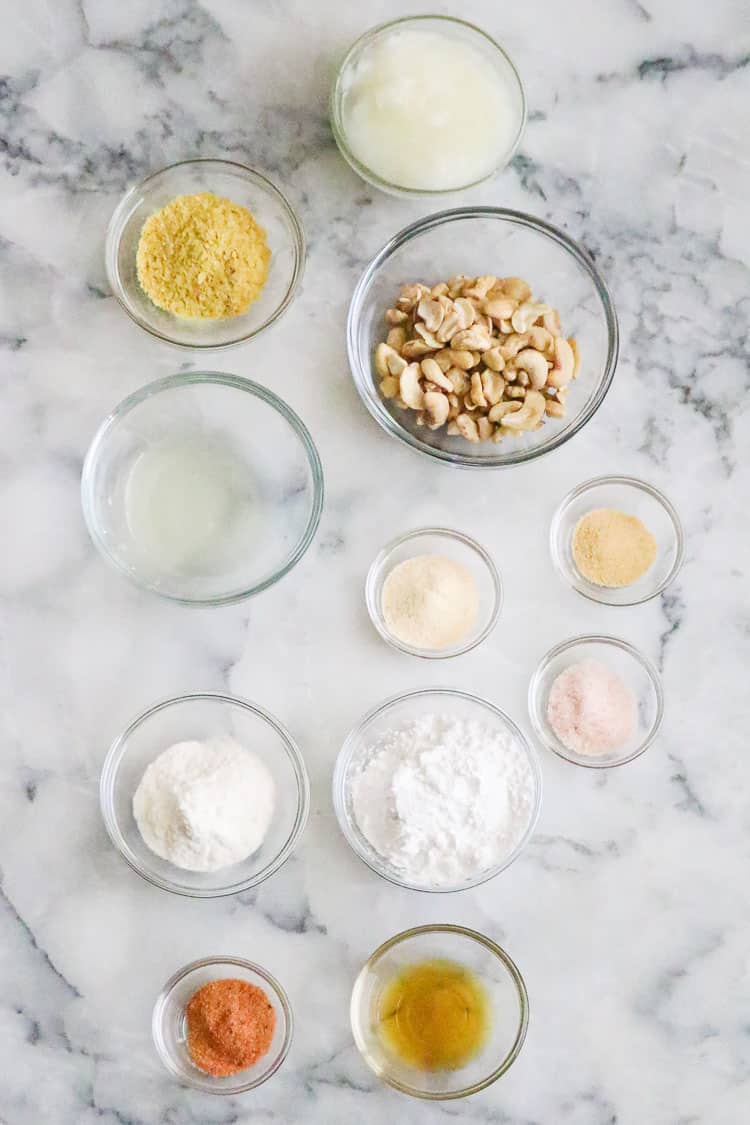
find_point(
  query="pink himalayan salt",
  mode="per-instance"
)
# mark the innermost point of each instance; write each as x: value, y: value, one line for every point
x: 591, y: 710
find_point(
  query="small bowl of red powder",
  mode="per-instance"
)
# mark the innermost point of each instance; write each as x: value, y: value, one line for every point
x: 596, y: 701
x: 222, y: 1025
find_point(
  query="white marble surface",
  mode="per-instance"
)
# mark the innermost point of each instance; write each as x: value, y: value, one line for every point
x: 629, y: 913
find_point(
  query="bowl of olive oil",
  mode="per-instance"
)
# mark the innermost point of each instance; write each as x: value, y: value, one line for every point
x: 439, y: 1012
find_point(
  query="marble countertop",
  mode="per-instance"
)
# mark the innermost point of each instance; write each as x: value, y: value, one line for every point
x: 629, y: 912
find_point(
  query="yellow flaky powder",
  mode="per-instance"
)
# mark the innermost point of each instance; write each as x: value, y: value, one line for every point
x: 203, y: 256
x: 611, y: 548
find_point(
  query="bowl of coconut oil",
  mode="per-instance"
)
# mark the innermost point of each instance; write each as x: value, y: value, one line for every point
x: 202, y: 487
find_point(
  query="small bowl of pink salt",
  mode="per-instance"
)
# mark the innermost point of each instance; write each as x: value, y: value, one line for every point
x: 596, y: 701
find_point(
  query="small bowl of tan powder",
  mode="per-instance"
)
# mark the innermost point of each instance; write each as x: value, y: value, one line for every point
x: 222, y: 1025
x: 434, y: 593
x: 617, y: 540
x: 596, y: 701
x: 205, y: 253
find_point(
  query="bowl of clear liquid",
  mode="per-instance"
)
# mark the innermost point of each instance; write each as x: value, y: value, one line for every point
x: 202, y: 487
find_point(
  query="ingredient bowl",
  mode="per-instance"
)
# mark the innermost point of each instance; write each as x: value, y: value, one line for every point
x: 243, y: 186
x: 395, y: 712
x: 508, y: 1009
x: 449, y: 544
x: 168, y: 1024
x: 199, y: 717
x: 477, y: 241
x: 457, y: 31
x: 202, y: 487
x: 635, y: 498
x: 630, y: 665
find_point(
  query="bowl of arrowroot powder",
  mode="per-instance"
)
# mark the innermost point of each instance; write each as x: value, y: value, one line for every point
x: 437, y: 790
x: 433, y: 592
x: 596, y: 701
x: 205, y: 795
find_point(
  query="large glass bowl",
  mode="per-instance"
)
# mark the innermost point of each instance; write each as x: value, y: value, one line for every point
x: 169, y: 1024
x: 279, y: 497
x: 242, y: 185
x: 459, y: 30
x: 477, y: 241
x: 508, y: 1005
x: 199, y: 717
x: 393, y: 713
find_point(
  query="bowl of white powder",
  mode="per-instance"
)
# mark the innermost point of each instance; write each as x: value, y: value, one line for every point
x: 437, y: 790
x: 205, y: 795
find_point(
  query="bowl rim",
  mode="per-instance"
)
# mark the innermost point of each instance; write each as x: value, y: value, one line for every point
x: 535, y: 702
x: 116, y: 753
x: 114, y: 235
x: 233, y: 382
x: 629, y: 482
x: 381, y: 560
x: 335, y: 101
x: 510, y: 966
x: 157, y: 1016
x: 363, y: 378
x: 343, y: 760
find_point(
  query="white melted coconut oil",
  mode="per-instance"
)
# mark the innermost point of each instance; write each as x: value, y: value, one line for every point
x: 189, y: 506
x: 428, y: 111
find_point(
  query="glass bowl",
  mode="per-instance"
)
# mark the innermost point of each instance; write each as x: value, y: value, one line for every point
x: 402, y: 709
x: 242, y: 185
x: 635, y: 498
x: 508, y: 1007
x: 168, y: 1024
x: 197, y: 717
x: 474, y: 241
x: 271, y: 497
x: 460, y: 549
x: 459, y: 29
x: 630, y: 665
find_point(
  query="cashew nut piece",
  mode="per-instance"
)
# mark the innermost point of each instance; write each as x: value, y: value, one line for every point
x: 470, y: 338
x: 493, y: 359
x: 530, y: 414
x: 431, y: 312
x: 499, y: 308
x: 576, y: 357
x: 459, y: 380
x: 456, y: 285
x: 465, y: 311
x: 485, y: 428
x: 551, y: 321
x: 515, y: 287
x: 396, y: 337
x: 477, y: 393
x: 396, y: 316
x: 388, y: 361
x: 427, y: 336
x: 415, y: 349
x: 389, y: 386
x: 534, y: 364
x: 526, y: 314
x: 513, y: 344
x: 432, y: 371
x: 440, y: 289
x: 463, y: 359
x: 411, y: 392
x: 564, y: 364
x: 480, y: 287
x: 554, y: 408
x: 515, y: 392
x: 452, y: 429
x: 410, y: 296
x: 493, y: 386
x: 498, y: 412
x: 541, y: 339
x: 467, y: 427
x: 436, y: 409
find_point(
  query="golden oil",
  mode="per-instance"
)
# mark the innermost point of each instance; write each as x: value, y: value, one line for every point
x: 434, y: 1015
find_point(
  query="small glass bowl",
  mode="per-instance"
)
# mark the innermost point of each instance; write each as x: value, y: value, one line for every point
x: 460, y: 549
x: 447, y: 25
x: 198, y: 717
x: 478, y: 240
x: 242, y: 185
x: 169, y: 1025
x: 266, y: 438
x: 401, y: 709
x: 635, y: 498
x: 630, y: 665
x: 508, y: 1004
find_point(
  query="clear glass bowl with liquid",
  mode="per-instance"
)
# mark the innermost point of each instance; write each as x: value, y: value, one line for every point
x: 203, y: 487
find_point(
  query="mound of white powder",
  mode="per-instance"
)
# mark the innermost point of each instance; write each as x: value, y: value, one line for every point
x: 443, y: 799
x: 204, y: 805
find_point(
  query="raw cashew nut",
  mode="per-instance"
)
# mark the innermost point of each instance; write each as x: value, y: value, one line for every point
x: 526, y: 314
x: 535, y: 365
x: 432, y: 313
x: 388, y: 361
x: 477, y: 393
x: 389, y: 387
x: 459, y: 380
x: 513, y: 344
x: 436, y: 409
x: 576, y: 357
x: 499, y: 308
x: 493, y: 359
x: 467, y: 427
x: 485, y: 428
x: 493, y: 386
x: 396, y: 338
x: 564, y: 364
x: 551, y: 321
x: 428, y: 337
x: 411, y: 392
x: 432, y: 371
x: 415, y: 349
x: 530, y: 414
x: 396, y: 316
x: 461, y: 358
x: 477, y: 337
x: 480, y: 287
x: 410, y: 296
x: 499, y: 412
x: 554, y: 408
x: 515, y: 287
